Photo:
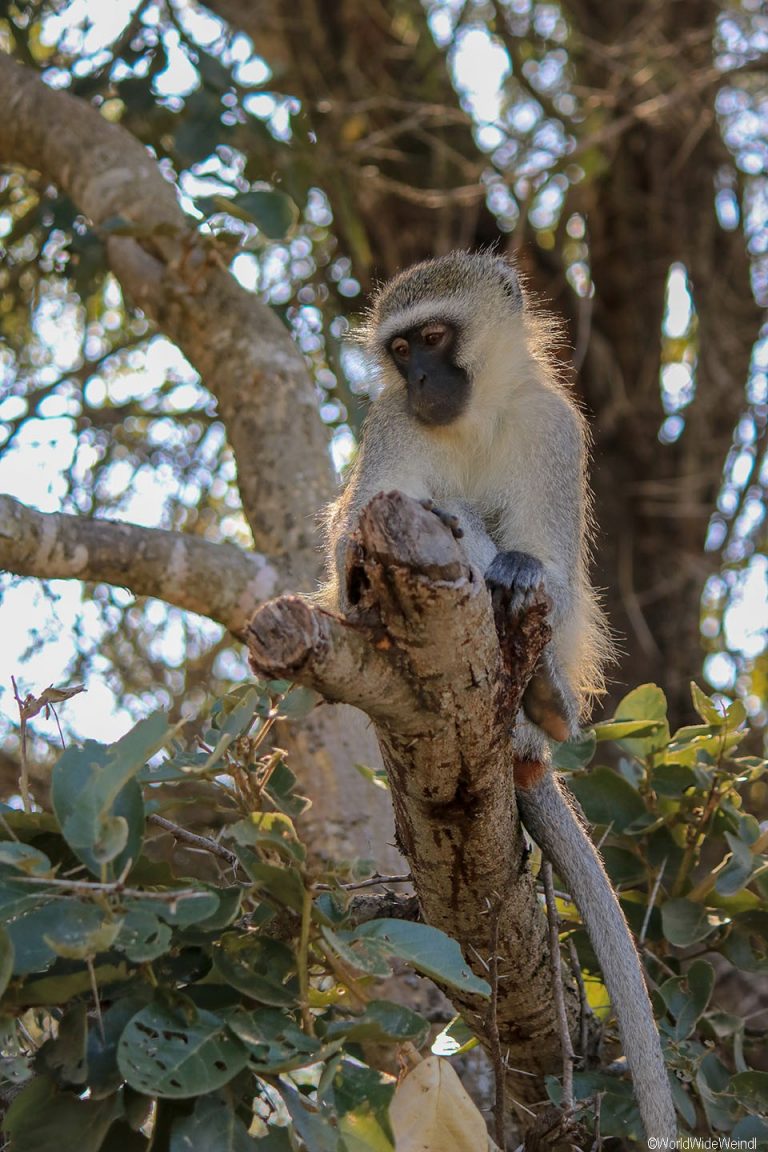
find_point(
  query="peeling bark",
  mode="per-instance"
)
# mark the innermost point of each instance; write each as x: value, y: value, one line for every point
x: 420, y: 655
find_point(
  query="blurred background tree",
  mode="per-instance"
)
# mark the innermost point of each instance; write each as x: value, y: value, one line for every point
x: 618, y: 152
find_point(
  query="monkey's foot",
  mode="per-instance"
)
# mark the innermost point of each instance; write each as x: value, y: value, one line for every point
x: 449, y: 519
x: 516, y: 581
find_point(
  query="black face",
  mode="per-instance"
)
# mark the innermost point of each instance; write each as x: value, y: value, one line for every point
x: 438, y: 389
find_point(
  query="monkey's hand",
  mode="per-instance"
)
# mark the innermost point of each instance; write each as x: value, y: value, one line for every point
x: 450, y: 519
x: 516, y: 580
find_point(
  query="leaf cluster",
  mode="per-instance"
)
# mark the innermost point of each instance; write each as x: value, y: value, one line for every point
x: 691, y: 868
x: 167, y: 990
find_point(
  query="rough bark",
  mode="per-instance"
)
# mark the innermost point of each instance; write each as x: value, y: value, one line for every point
x: 264, y: 391
x: 421, y: 656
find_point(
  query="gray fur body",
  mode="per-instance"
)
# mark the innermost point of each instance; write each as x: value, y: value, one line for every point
x: 511, y: 467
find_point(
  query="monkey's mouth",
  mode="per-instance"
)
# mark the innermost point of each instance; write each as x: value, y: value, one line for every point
x: 434, y: 407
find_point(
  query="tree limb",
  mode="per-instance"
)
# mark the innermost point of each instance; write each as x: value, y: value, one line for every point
x: 420, y: 654
x: 238, y: 345
x: 217, y: 580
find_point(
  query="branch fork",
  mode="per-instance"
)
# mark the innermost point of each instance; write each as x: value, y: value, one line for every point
x: 420, y: 654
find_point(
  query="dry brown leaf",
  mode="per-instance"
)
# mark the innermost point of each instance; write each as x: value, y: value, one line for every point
x: 432, y: 1112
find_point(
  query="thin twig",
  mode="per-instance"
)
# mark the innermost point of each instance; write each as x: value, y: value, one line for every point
x: 652, y: 901
x: 24, y: 776
x: 90, y: 888
x: 369, y: 883
x: 191, y: 838
x: 492, y: 1025
x: 584, y: 1010
x: 96, y: 1000
x: 557, y: 985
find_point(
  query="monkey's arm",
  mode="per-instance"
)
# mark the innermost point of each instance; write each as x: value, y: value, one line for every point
x: 541, y: 542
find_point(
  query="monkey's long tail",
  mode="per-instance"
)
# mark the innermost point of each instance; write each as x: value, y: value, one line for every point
x: 553, y: 824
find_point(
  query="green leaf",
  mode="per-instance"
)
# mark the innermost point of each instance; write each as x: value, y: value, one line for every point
x: 41, y: 1119
x: 608, y: 798
x: 647, y: 702
x: 62, y: 927
x: 299, y: 702
x: 753, y: 1128
x: 752, y: 1089
x: 281, y: 791
x: 454, y: 1038
x: 274, y: 1042
x: 162, y: 1053
x: 369, y: 956
x: 746, y: 945
x: 261, y: 968
x: 6, y: 960
x: 64, y: 985
x: 672, y: 779
x: 710, y: 712
x: 426, y: 949
x: 573, y: 755
x: 700, y: 743
x: 619, y: 1116
x: 64, y: 1056
x: 623, y: 866
x: 687, y: 996
x: 685, y: 923
x: 213, y: 1124
x: 713, y: 1081
x: 25, y: 858
x: 272, y: 830
x: 74, y: 941
x: 382, y: 1022
x: 104, y: 1076
x: 232, y: 719
x: 316, y: 1132
x: 189, y: 906
x: 142, y: 936
x: 622, y: 729
x: 355, y: 1089
x: 739, y: 868
x: 273, y: 213
x: 283, y: 885
x: 98, y: 802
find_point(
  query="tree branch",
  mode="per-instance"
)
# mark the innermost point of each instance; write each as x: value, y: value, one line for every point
x: 217, y: 580
x: 420, y: 654
x: 238, y: 345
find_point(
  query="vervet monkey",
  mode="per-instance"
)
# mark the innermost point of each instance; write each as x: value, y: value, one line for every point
x: 474, y: 421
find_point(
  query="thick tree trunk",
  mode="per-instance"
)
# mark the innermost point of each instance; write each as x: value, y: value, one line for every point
x: 421, y: 656
x: 652, y: 206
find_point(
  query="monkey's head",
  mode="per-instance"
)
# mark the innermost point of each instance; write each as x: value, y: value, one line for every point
x: 434, y: 327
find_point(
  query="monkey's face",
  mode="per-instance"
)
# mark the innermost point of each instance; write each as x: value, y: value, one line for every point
x: 437, y: 386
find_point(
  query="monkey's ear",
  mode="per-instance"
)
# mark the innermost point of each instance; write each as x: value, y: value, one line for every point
x: 511, y: 285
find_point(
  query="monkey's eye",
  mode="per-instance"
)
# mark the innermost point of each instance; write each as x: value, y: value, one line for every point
x: 434, y: 335
x: 400, y: 348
